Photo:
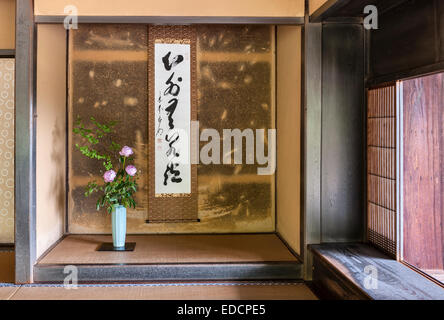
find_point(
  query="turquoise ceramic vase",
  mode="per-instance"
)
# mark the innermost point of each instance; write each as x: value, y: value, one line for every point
x: 119, y: 226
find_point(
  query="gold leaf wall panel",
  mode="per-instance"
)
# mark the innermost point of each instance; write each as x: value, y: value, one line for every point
x: 7, y: 150
x: 108, y: 79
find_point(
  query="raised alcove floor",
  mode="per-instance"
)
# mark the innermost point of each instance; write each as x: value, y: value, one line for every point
x: 172, y: 257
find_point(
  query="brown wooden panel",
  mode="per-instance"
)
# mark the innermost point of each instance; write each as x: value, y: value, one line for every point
x: 424, y: 171
x: 381, y: 168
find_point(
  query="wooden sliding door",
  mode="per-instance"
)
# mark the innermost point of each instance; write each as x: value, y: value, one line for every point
x: 405, y: 171
x: 423, y: 187
x: 381, y: 168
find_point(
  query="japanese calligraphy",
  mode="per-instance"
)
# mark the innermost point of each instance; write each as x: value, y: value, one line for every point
x: 172, y: 118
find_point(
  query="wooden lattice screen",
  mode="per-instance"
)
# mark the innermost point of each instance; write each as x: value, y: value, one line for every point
x: 381, y: 168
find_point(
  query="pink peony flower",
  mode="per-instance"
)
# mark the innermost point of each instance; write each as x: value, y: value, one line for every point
x: 131, y: 170
x: 126, y: 151
x: 109, y: 176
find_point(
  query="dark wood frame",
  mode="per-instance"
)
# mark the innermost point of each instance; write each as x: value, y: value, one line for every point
x: 172, y: 272
x: 312, y: 140
x: 314, y: 129
x: 25, y: 142
x: 7, y: 53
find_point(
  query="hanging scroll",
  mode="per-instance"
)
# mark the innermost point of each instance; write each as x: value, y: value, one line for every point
x: 172, y: 107
x: 172, y: 119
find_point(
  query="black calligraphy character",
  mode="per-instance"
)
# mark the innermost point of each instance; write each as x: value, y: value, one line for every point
x: 176, y: 60
x: 159, y: 121
x: 170, y: 111
x: 175, y: 173
x: 172, y: 140
x: 173, y: 88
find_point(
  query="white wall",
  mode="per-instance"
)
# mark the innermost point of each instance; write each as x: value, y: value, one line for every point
x: 51, y: 135
x: 288, y: 187
x: 210, y: 8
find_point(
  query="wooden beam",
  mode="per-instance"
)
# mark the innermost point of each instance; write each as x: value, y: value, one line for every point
x: 312, y: 140
x: 7, y: 53
x: 172, y: 272
x: 351, y: 8
x: 25, y: 183
x: 328, y: 9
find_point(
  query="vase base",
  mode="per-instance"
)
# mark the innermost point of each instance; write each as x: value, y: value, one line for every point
x: 108, y: 246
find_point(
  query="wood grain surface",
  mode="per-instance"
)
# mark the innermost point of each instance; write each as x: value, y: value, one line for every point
x: 395, y: 280
x: 424, y: 172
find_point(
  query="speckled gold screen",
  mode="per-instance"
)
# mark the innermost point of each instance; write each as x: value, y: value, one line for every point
x: 108, y: 79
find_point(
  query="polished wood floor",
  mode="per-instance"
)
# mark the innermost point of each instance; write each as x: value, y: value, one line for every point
x: 437, y: 274
x: 81, y: 249
x: 395, y: 280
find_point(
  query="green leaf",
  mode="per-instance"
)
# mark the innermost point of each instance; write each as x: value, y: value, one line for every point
x: 121, y: 190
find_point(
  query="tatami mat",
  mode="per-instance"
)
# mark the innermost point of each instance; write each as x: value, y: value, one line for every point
x: 81, y: 249
x: 7, y: 292
x: 76, y: 249
x: 291, y: 291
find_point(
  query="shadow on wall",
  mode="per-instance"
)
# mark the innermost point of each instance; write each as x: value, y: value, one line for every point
x: 58, y: 167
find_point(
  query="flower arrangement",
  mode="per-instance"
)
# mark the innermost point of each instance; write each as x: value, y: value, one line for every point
x: 119, y: 182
